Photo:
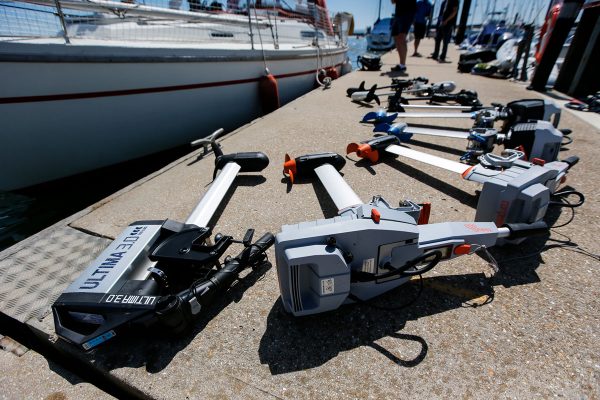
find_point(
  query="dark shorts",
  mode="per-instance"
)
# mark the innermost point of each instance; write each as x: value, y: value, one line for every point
x: 420, y: 30
x: 402, y: 24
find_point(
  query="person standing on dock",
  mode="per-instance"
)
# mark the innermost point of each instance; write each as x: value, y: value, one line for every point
x: 420, y: 25
x: 445, y: 26
x: 403, y: 19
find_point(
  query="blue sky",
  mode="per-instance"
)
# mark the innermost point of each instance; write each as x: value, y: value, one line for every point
x: 365, y: 11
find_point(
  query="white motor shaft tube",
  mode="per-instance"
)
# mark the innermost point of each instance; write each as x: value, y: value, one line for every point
x: 428, y: 158
x: 436, y: 107
x: 437, y: 132
x: 211, y: 200
x: 338, y: 189
x: 435, y: 115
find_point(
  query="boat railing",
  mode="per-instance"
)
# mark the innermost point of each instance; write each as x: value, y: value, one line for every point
x: 186, y: 21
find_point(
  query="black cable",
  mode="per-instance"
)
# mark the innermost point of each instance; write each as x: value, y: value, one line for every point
x: 570, y: 246
x: 562, y: 244
x: 360, y: 276
x: 566, y: 140
x: 562, y: 199
x: 571, y: 218
x: 396, y: 308
x: 437, y: 256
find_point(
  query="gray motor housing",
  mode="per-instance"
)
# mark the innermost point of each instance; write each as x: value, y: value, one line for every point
x: 320, y: 263
x: 520, y: 194
x: 540, y: 139
x: 515, y: 195
x: 315, y: 259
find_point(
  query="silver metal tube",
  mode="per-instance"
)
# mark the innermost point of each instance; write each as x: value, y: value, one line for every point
x: 436, y: 161
x: 436, y: 107
x: 437, y: 132
x: 209, y: 203
x: 435, y: 115
x: 338, y: 189
x: 276, y: 40
x: 503, y: 232
x: 149, y: 11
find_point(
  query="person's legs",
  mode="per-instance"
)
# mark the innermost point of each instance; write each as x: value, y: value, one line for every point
x: 396, y: 27
x: 401, y: 47
x: 400, y: 29
x: 447, y: 35
x: 438, y: 39
x: 419, y: 32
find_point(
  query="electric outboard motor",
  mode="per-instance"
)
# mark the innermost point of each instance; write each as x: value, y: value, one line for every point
x: 369, y: 248
x: 417, y: 86
x: 514, y: 190
x: 537, y: 140
x: 396, y: 84
x: 484, y: 117
x: 159, y: 273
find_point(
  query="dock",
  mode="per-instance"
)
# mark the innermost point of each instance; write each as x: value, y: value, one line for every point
x: 531, y: 331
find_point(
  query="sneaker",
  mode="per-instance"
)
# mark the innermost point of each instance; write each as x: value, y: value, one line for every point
x: 416, y: 55
x: 399, y: 68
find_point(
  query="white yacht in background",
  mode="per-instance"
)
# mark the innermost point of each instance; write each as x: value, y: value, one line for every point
x: 116, y: 81
x: 380, y: 38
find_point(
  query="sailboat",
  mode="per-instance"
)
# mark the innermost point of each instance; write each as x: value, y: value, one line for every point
x: 380, y: 37
x: 87, y: 84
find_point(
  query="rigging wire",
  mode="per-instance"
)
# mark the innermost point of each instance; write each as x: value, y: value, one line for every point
x: 262, y: 48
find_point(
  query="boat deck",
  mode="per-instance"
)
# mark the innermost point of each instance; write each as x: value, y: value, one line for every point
x: 530, y: 332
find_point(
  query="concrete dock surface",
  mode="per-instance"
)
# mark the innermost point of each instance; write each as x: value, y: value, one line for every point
x: 31, y: 376
x: 529, y: 332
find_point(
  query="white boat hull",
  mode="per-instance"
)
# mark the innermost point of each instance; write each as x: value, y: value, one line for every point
x: 62, y: 118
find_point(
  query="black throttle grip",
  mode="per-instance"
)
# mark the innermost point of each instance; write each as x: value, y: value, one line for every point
x: 522, y: 230
x: 249, y: 256
x: 248, y: 161
x: 255, y: 251
x: 571, y: 160
x: 176, y: 311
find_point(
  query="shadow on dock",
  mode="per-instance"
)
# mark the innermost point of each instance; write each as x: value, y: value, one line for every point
x: 154, y: 350
x: 299, y: 343
x: 240, y: 180
x: 438, y: 147
x: 414, y: 173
